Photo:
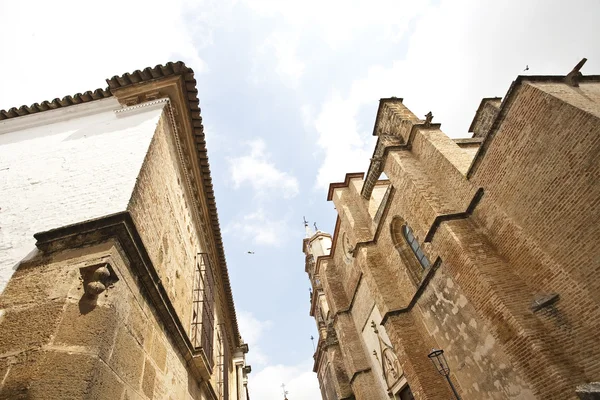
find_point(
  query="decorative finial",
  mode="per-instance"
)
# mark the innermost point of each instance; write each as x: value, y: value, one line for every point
x: 428, y: 119
x: 312, y: 339
x: 315, y: 225
x: 307, y: 228
x: 572, y: 77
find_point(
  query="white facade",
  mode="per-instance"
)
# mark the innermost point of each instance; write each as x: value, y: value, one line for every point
x: 65, y: 166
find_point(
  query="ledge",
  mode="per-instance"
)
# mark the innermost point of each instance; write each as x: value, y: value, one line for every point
x: 588, y: 391
x: 448, y: 217
x: 346, y: 183
x: 121, y: 227
x: 424, y: 283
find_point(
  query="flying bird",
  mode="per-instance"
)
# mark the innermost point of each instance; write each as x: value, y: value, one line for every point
x: 526, y: 68
x: 250, y: 252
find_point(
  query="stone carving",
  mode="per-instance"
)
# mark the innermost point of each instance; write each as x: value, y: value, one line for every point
x: 390, y: 364
x: 96, y: 279
x: 428, y: 119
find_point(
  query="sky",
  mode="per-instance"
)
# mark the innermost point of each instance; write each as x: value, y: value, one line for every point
x: 289, y: 92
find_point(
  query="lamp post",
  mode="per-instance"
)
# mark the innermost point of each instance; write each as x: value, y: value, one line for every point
x: 438, y: 359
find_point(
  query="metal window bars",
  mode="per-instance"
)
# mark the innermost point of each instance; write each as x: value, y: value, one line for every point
x: 202, y: 329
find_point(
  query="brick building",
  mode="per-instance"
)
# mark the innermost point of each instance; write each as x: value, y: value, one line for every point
x: 109, y: 229
x: 487, y: 248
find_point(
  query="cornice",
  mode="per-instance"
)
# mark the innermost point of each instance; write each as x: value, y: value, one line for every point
x: 176, y: 82
x: 121, y: 227
x: 424, y: 283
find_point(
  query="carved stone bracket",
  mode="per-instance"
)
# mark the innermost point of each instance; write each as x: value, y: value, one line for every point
x: 97, y: 278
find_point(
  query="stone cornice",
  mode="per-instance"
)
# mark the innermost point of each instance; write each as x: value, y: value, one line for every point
x: 120, y: 227
x: 176, y: 82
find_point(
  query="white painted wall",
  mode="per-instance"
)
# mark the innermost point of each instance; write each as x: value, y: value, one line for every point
x: 65, y: 166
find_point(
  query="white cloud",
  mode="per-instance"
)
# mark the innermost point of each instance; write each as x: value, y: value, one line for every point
x: 265, y: 381
x: 256, y: 170
x: 338, y: 22
x: 95, y: 42
x: 300, y: 382
x: 287, y: 65
x: 458, y: 54
x: 252, y: 329
x: 261, y: 228
x: 346, y: 150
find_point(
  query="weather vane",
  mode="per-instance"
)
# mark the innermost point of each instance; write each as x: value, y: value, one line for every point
x: 285, y: 392
x: 315, y: 225
x: 312, y: 339
x: 305, y: 221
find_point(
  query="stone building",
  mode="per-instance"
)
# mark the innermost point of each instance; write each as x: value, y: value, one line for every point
x: 109, y: 228
x: 487, y: 248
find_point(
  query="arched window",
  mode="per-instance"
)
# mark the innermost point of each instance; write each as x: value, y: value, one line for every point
x: 407, y: 245
x: 414, y: 245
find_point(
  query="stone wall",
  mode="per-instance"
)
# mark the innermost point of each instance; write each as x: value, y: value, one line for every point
x: 160, y: 209
x: 55, y: 343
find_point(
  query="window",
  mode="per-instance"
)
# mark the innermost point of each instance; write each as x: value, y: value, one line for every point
x: 411, y: 254
x: 203, y: 301
x: 414, y: 245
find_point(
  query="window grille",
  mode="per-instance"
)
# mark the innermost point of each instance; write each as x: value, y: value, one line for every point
x: 219, y: 370
x: 225, y: 367
x: 414, y: 245
x: 203, y: 307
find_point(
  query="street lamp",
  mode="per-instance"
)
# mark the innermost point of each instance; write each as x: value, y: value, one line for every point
x: 438, y: 359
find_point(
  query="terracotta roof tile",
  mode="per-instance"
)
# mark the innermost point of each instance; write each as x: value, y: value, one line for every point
x: 56, y: 103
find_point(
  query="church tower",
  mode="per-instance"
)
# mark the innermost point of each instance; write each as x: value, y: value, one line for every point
x: 315, y: 245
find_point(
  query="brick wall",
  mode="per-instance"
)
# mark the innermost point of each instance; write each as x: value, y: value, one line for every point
x: 534, y: 233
